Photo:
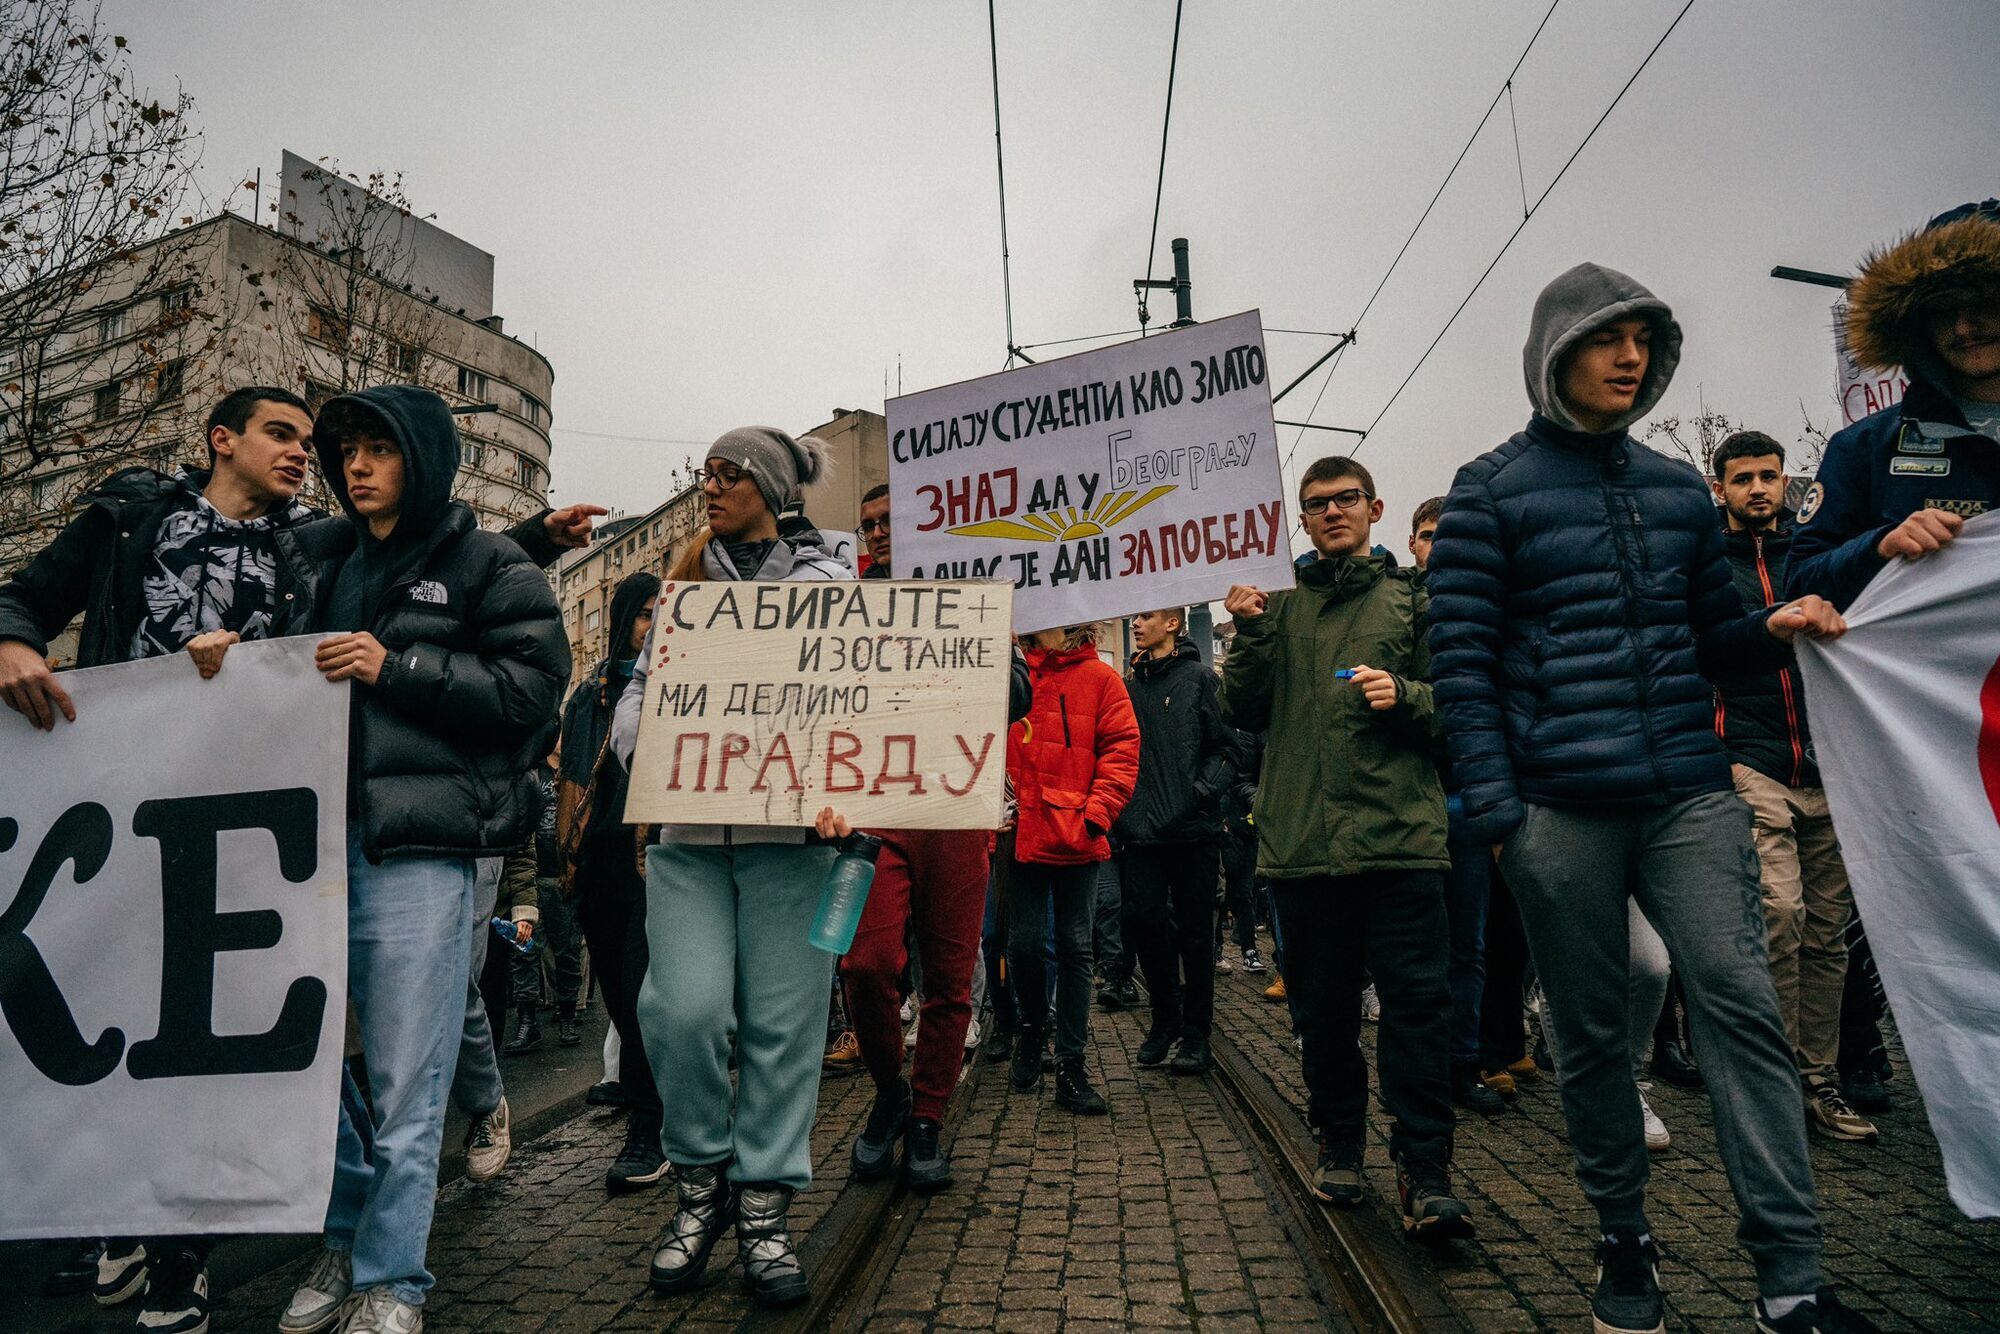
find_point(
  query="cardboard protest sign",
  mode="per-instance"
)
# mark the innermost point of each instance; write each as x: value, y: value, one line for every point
x: 767, y: 701
x: 173, y: 950
x: 1130, y: 477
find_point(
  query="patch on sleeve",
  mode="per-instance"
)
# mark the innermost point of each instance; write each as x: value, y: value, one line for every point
x: 1810, y: 505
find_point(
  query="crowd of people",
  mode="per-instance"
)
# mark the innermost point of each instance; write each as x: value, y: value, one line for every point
x: 1555, y: 774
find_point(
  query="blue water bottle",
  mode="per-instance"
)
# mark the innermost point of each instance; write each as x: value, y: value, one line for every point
x: 508, y: 932
x: 844, y: 893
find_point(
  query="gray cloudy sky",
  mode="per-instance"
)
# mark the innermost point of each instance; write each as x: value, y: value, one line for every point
x: 708, y: 215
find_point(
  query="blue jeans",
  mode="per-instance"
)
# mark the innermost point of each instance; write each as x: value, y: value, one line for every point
x: 476, y: 1086
x: 407, y: 947
x: 1467, y: 888
x: 1000, y: 981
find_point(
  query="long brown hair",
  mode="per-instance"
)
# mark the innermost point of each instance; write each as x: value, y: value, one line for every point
x: 688, y: 565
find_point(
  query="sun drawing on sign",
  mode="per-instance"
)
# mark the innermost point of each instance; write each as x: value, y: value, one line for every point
x: 1069, y: 523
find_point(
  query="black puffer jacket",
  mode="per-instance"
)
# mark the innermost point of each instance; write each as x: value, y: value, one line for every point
x: 1762, y: 717
x: 466, y: 703
x: 1188, y: 756
x: 1580, y: 598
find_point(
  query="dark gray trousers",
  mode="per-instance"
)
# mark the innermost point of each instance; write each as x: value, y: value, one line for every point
x: 1693, y: 870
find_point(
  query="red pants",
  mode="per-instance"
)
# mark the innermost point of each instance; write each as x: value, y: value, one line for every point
x: 933, y: 880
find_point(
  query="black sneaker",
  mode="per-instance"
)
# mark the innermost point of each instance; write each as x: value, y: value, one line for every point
x: 1159, y: 1041
x: 925, y: 1162
x: 1431, y: 1213
x: 75, y: 1272
x: 1193, y: 1057
x: 176, y: 1297
x: 527, y: 1035
x: 1673, y: 1065
x: 608, y: 1093
x: 1824, y: 1314
x: 1865, y: 1091
x: 1117, y: 993
x: 1337, y: 1179
x: 1469, y: 1091
x: 121, y: 1272
x: 640, y: 1163
x: 1627, y: 1300
x: 875, y: 1147
x: 1253, y: 962
x: 999, y: 1044
x: 1073, y: 1090
x: 1025, y: 1074
x: 568, y: 1031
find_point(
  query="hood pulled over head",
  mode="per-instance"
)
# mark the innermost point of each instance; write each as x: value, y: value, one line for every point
x: 1954, y: 261
x: 1584, y: 299
x: 420, y: 423
x: 634, y: 594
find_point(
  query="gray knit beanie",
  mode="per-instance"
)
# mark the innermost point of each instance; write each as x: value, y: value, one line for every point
x: 780, y: 464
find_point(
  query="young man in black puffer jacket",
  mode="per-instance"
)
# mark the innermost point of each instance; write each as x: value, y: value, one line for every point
x: 452, y: 638
x: 1580, y: 604
x: 1168, y: 833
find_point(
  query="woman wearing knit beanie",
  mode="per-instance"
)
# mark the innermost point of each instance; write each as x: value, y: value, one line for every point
x: 727, y: 914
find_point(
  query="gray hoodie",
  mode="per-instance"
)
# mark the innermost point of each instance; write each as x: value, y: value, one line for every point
x: 1585, y: 298
x: 791, y: 560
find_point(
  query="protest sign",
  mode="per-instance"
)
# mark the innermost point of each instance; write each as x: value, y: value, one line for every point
x: 766, y: 702
x: 173, y: 950
x: 1131, y: 477
x: 1861, y: 391
x: 1906, y: 722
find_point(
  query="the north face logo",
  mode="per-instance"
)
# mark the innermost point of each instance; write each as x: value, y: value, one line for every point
x: 428, y: 590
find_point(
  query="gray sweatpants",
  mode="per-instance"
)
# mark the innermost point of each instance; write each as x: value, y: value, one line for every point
x: 1693, y: 870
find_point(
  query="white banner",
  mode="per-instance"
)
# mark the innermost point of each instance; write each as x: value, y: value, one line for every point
x: 173, y: 950
x: 1861, y: 392
x: 1131, y: 477
x: 766, y: 702
x: 1906, y: 720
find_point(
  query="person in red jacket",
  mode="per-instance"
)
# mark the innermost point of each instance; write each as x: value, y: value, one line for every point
x: 1074, y: 761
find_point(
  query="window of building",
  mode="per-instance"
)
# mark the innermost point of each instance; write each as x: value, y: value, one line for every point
x: 49, y: 415
x: 656, y: 530
x: 173, y: 380
x: 407, y: 358
x: 45, y: 493
x: 180, y: 299
x: 591, y: 621
x: 533, y: 409
x: 325, y: 325
x: 105, y: 404
x: 472, y: 384
x: 110, y: 326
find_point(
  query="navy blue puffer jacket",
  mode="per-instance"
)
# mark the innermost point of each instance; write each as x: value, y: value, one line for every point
x: 1579, y: 598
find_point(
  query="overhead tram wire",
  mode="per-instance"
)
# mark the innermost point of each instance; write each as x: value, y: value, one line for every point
x: 1532, y: 210
x: 1506, y: 90
x: 1160, y: 183
x: 1000, y: 167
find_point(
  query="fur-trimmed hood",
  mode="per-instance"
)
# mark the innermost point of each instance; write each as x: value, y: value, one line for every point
x: 1953, y: 260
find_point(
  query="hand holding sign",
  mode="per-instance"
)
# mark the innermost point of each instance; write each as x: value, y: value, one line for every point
x: 1245, y: 602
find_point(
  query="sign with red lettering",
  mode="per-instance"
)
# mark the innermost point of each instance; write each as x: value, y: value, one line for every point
x: 884, y: 700
x: 1126, y: 478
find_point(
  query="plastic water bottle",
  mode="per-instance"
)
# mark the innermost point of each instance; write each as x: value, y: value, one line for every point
x: 844, y: 893
x: 510, y: 933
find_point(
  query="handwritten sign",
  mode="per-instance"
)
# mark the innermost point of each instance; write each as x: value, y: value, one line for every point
x: 767, y: 701
x: 1137, y: 476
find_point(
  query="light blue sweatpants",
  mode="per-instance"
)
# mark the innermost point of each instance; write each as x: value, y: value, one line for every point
x: 728, y: 959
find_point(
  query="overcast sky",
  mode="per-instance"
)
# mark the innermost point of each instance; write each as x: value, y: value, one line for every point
x: 713, y: 215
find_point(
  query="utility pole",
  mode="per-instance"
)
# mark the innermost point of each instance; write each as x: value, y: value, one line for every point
x: 1201, y: 622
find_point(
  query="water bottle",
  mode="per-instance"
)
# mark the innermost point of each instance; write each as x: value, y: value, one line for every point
x: 844, y: 893
x: 508, y: 932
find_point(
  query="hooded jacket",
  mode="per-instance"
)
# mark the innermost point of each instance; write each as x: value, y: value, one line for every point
x: 1074, y: 760
x: 465, y: 705
x: 586, y: 729
x: 793, y: 559
x: 1919, y: 453
x: 1346, y: 789
x: 1580, y: 596
x: 1188, y: 757
x: 1761, y: 718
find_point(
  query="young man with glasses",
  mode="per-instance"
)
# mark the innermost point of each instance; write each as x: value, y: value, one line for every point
x: 1351, y: 828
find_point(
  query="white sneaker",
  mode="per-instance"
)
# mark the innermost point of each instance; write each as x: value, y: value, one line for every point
x: 1371, y: 1004
x: 489, y: 1143
x: 908, y: 1011
x: 1222, y: 964
x: 378, y: 1311
x: 910, y: 1034
x: 316, y: 1304
x: 1657, y: 1137
x: 972, y: 1033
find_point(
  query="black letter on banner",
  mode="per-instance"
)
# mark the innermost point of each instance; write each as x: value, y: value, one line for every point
x: 29, y: 998
x: 195, y: 933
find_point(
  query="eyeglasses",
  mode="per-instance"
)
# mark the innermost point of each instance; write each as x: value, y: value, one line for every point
x: 1345, y: 500
x: 880, y: 525
x: 725, y: 477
